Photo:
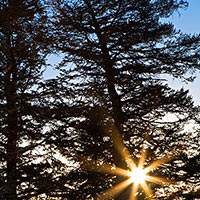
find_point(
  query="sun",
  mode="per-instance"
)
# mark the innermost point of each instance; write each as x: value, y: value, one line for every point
x: 138, y: 175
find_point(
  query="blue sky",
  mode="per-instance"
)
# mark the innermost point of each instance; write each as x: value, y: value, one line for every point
x: 189, y: 22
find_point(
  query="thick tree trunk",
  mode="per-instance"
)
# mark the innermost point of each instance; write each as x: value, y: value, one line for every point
x: 110, y: 78
x: 115, y: 99
x: 12, y: 123
x: 118, y: 115
x: 108, y: 67
x: 11, y: 142
x: 11, y: 167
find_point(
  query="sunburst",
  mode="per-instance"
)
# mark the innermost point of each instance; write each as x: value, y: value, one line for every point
x: 137, y: 175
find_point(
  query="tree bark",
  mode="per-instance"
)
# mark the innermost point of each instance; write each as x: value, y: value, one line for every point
x: 108, y: 67
x: 12, y: 122
x: 11, y: 147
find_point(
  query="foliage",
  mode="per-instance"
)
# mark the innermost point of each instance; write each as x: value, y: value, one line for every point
x: 111, y: 90
x: 23, y: 112
x: 119, y: 52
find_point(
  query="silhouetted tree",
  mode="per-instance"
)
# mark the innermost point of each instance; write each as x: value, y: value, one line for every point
x: 119, y: 52
x: 24, y: 171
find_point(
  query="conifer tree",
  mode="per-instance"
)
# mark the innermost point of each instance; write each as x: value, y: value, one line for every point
x: 119, y: 51
x: 23, y: 112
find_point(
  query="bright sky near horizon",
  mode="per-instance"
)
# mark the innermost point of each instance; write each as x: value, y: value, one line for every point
x: 189, y: 22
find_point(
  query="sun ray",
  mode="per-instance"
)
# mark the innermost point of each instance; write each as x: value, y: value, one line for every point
x: 120, y: 147
x: 133, y: 192
x: 142, y: 158
x: 113, y: 170
x: 158, y: 163
x: 92, y: 165
x: 114, y: 191
x: 130, y: 164
x: 146, y: 189
x: 157, y: 180
x: 137, y: 175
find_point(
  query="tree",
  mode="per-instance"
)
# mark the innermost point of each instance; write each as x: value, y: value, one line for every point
x: 23, y: 112
x: 120, y: 50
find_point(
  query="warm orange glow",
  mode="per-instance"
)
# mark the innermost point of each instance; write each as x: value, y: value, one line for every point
x: 146, y: 189
x: 115, y: 190
x: 134, y: 191
x: 137, y: 174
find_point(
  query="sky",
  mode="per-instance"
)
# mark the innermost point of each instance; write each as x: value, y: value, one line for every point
x: 188, y: 21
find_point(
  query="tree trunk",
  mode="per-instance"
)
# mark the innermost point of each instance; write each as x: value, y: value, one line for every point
x: 12, y: 123
x: 118, y: 115
x: 11, y: 167
x: 11, y: 147
x: 108, y: 67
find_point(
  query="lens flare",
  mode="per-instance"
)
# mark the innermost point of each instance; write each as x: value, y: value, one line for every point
x: 138, y: 175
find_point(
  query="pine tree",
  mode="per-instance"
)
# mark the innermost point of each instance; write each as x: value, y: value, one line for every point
x: 120, y: 50
x: 23, y: 113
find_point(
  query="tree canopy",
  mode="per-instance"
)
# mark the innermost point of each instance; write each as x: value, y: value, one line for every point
x: 110, y: 106
x: 120, y: 51
x: 23, y: 112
